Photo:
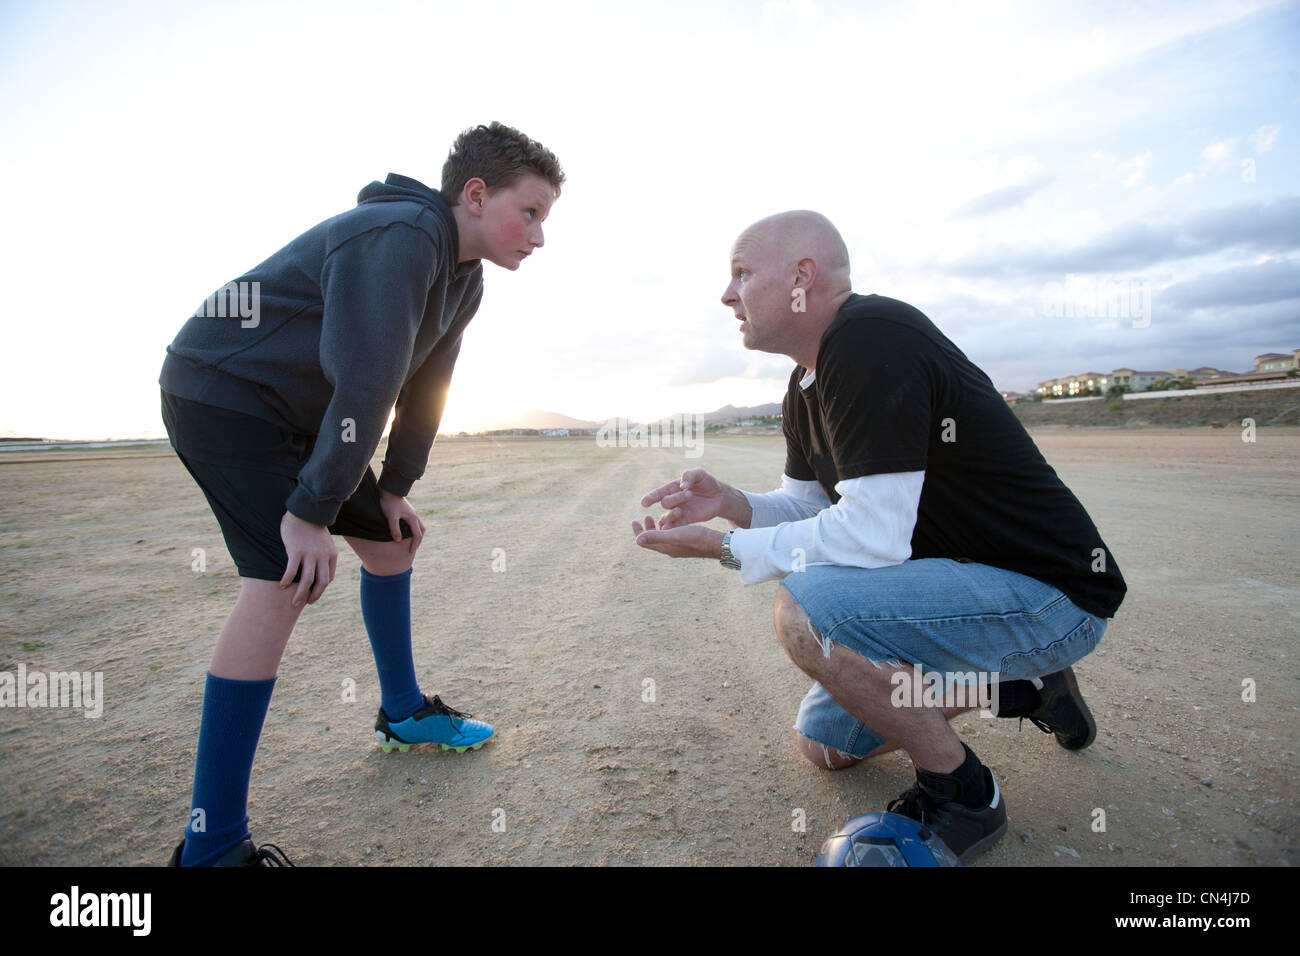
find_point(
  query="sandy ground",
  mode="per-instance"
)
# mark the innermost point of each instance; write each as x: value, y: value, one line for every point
x: 556, y: 649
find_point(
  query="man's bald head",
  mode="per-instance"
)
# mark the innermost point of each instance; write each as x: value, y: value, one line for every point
x: 788, y: 237
x: 789, y: 277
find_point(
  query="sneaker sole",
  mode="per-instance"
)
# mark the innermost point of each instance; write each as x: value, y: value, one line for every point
x: 388, y: 747
x: 975, y: 849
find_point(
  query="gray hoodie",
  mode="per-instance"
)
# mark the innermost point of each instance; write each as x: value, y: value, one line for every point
x: 360, y: 313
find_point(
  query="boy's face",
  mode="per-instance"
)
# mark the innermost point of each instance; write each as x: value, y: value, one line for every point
x: 510, y: 220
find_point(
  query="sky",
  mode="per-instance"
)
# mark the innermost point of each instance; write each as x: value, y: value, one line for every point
x: 998, y: 165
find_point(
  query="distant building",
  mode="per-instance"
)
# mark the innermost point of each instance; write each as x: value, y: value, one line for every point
x: 1136, y: 381
x: 1072, y: 385
x: 1269, y: 366
x: 1088, y: 381
x: 555, y: 433
x: 1276, y: 361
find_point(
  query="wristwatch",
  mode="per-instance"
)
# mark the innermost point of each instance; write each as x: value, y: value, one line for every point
x: 728, y: 559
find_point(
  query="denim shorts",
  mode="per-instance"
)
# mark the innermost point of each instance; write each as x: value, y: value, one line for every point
x: 943, y: 616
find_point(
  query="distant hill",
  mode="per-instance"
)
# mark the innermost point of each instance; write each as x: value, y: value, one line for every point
x: 539, y: 418
x: 730, y: 413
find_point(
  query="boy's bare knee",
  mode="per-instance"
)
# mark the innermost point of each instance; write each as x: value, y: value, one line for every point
x: 383, y: 558
x: 828, y: 758
x: 267, y: 600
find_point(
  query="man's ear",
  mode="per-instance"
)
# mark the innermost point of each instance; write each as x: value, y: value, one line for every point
x: 805, y: 274
x: 472, y: 195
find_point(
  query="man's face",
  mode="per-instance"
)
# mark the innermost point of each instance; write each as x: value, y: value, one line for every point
x: 759, y: 295
x: 511, y: 223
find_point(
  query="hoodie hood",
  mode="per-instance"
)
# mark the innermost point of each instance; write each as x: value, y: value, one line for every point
x: 399, y: 188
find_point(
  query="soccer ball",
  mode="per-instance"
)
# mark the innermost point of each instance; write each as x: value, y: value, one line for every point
x: 885, y: 839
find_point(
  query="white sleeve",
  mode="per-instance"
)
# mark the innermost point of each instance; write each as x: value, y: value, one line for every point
x: 869, y: 527
x: 793, y: 501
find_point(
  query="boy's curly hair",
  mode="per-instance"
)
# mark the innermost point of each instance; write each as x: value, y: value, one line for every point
x: 499, y: 155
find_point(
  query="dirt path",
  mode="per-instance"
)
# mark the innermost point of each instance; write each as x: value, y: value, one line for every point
x: 556, y: 648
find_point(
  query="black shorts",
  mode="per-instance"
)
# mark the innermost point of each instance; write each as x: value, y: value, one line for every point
x: 247, y: 468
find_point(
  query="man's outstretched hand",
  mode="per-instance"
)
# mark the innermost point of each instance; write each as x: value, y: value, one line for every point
x: 698, y: 496
x: 686, y: 542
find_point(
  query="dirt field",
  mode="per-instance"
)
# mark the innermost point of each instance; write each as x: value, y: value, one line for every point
x: 96, y: 573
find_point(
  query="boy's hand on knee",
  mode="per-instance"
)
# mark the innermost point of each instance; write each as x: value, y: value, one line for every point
x: 397, y: 509
x: 311, y: 549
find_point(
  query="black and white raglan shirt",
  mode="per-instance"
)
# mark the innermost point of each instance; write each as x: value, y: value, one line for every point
x: 899, y: 447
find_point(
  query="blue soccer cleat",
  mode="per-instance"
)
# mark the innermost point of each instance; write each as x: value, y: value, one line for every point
x: 434, y: 723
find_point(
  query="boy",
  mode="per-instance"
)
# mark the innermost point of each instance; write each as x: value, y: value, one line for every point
x: 275, y: 396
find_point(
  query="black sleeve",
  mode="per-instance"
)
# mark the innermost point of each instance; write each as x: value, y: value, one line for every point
x: 374, y: 287
x: 875, y: 384
x: 793, y: 415
x: 418, y: 413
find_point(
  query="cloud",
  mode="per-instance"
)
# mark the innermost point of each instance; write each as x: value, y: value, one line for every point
x: 1220, y: 153
x: 1130, y: 171
x: 996, y: 201
x: 710, y: 367
x: 1264, y: 138
x: 1221, y: 319
x: 1216, y: 157
x: 1220, y: 336
x: 1135, y: 168
x: 1272, y: 281
x: 772, y: 366
x: 781, y: 13
x: 1019, y: 177
x: 1267, y: 227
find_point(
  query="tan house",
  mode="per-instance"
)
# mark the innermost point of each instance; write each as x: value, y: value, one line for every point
x: 1277, y: 361
x: 1071, y: 385
x: 1271, y: 365
x: 1136, y: 381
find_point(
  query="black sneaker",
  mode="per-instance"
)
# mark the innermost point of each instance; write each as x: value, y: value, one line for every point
x: 1061, y: 711
x: 245, y: 854
x: 934, y: 803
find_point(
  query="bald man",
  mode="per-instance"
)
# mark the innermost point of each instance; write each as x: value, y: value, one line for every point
x: 930, y: 558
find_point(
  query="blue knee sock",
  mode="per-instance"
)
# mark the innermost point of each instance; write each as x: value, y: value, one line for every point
x: 386, y: 609
x: 233, y: 712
